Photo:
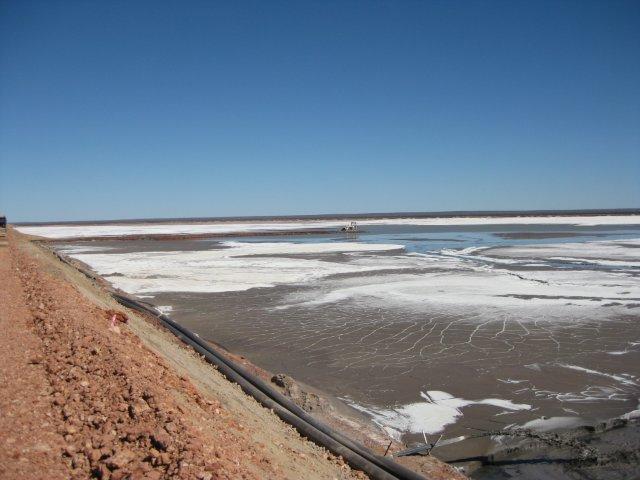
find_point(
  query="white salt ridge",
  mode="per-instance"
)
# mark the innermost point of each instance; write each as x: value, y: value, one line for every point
x: 608, y: 252
x: 604, y: 263
x: 534, y: 366
x: 633, y: 414
x: 553, y: 423
x: 464, y: 286
x: 622, y: 378
x: 78, y: 231
x: 629, y: 349
x: 617, y: 254
x: 593, y: 393
x: 241, y: 266
x: 431, y: 416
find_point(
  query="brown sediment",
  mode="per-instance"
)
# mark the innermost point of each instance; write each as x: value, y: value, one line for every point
x: 82, y: 397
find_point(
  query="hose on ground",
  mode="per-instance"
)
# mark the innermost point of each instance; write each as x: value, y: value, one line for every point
x: 356, y: 455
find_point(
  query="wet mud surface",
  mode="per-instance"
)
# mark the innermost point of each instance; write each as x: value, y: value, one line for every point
x: 603, y: 451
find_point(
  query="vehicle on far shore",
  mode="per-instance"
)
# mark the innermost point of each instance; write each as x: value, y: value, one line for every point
x: 351, y: 227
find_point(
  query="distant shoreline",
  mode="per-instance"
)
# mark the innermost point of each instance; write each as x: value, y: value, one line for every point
x: 186, y: 229
x: 351, y: 216
x: 186, y: 236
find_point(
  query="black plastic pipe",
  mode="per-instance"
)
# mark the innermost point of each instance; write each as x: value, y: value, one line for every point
x: 303, y: 427
x: 354, y: 453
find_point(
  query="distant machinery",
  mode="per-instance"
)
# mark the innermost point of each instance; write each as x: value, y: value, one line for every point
x: 351, y: 228
x: 3, y: 221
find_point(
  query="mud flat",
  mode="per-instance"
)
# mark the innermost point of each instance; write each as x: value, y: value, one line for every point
x: 552, y: 449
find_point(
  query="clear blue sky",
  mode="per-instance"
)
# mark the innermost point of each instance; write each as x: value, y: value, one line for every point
x: 125, y: 109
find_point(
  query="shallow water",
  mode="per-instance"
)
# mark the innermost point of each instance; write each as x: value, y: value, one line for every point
x: 434, y: 329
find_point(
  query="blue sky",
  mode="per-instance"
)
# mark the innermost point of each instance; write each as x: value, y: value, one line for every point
x: 129, y: 109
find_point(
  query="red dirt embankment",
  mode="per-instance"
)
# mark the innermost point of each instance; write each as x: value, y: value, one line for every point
x: 81, y: 399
